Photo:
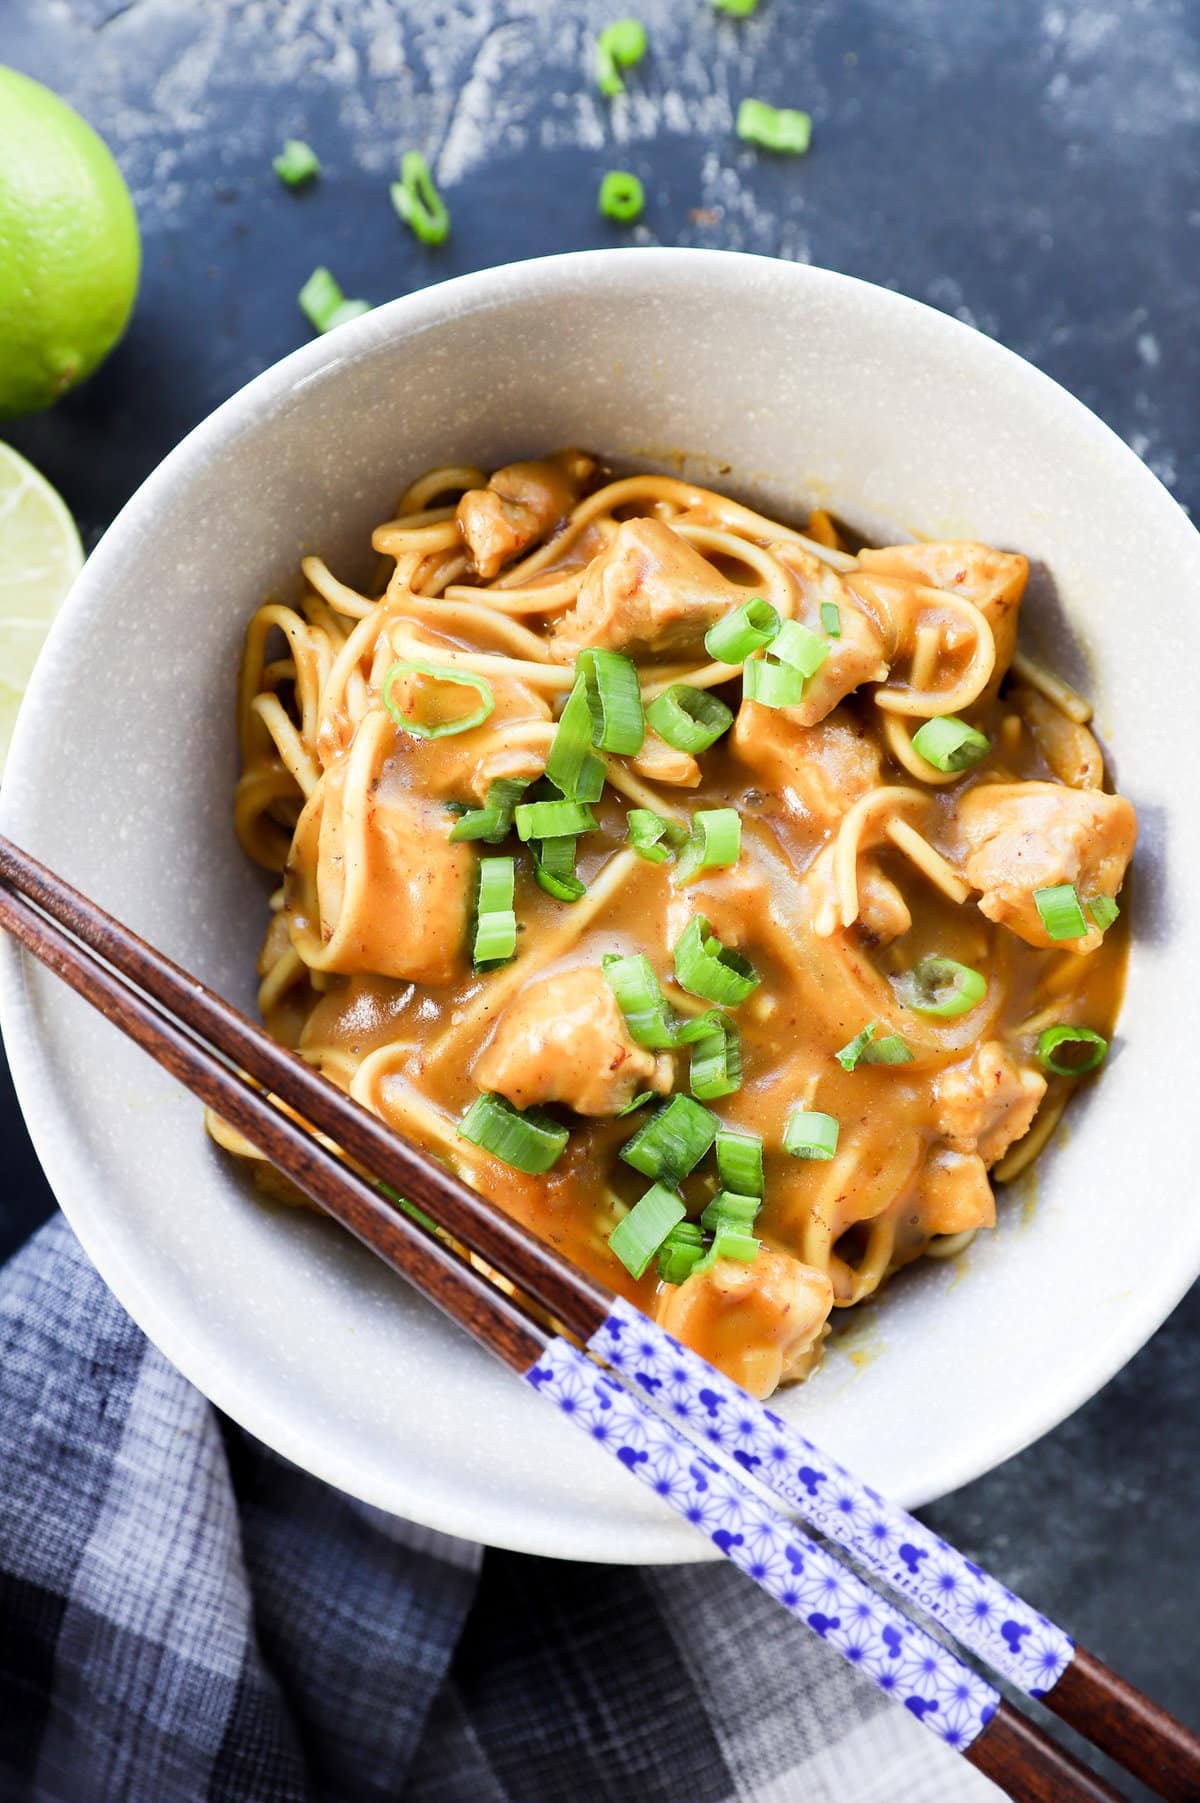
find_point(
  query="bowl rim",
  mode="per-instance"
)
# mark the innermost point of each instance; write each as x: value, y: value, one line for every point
x: 250, y: 409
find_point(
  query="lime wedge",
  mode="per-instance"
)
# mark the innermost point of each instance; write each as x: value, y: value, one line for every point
x: 40, y: 557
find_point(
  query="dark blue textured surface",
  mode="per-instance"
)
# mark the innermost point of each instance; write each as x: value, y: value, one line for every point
x: 1028, y: 167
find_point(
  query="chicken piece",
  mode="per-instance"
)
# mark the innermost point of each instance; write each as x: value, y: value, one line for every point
x: 757, y: 1323
x: 859, y: 654
x: 564, y: 1039
x: 821, y: 770
x: 955, y: 1194
x: 987, y: 1103
x: 1069, y: 748
x: 661, y: 763
x: 648, y: 590
x: 883, y: 913
x: 521, y: 504
x: 994, y: 580
x: 1021, y: 837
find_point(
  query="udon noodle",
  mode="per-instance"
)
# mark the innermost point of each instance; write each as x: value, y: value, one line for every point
x: 925, y: 929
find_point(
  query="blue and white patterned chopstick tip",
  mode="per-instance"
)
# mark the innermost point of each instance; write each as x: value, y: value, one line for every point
x: 1013, y: 1638
x: 900, y: 1657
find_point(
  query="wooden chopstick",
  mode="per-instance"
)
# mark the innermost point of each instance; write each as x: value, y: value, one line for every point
x: 1149, y: 1742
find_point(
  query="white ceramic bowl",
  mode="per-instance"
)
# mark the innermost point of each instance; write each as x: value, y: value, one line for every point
x: 805, y: 386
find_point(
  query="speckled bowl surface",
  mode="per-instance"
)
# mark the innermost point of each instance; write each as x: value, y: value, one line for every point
x: 791, y: 385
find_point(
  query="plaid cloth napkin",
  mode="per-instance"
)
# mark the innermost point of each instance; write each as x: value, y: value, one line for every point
x: 186, y: 1618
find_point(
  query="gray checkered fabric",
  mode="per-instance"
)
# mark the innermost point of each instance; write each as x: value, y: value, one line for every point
x: 186, y: 1618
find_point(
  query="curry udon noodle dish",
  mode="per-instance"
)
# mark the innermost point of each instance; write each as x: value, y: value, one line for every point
x: 731, y: 906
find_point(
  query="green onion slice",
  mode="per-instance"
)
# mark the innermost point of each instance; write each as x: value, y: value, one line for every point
x: 740, y: 1162
x: 891, y: 1049
x: 705, y: 967
x: 553, y: 819
x: 296, y: 163
x: 621, y: 197
x: 493, y: 821
x: 418, y: 202
x: 688, y: 719
x: 680, y: 1252
x: 716, y: 1067
x: 637, y: 1238
x: 942, y: 987
x: 647, y: 1095
x: 614, y: 697
x: 714, y: 844
x: 641, y: 1001
x: 948, y: 743
x: 1061, y: 913
x: 809, y: 1134
x: 748, y: 628
x: 619, y: 46
x: 1103, y: 910
x: 1096, y: 1050
x: 831, y: 619
x: 647, y: 830
x: 672, y: 1142
x: 796, y: 645
x: 728, y: 1209
x: 530, y: 1142
x: 438, y: 673
x: 495, y: 920
x: 774, y: 128
x: 850, y: 1053
x: 772, y: 685
x: 323, y: 303
x: 571, y: 765
x: 737, y: 9
x: 554, y: 869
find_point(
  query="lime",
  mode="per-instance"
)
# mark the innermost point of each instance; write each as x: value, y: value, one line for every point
x: 40, y: 557
x: 69, y: 248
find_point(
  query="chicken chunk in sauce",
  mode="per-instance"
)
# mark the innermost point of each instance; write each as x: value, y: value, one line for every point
x: 760, y: 1322
x: 564, y: 1040
x: 521, y: 504
x: 650, y: 591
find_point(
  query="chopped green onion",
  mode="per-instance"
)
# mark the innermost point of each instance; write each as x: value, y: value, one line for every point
x: 647, y: 1095
x: 571, y: 766
x: 619, y: 46
x: 831, y: 619
x: 942, y: 987
x: 638, y: 1237
x: 714, y: 844
x: 688, y: 719
x: 809, y: 1134
x: 729, y: 1209
x: 672, y: 1142
x: 495, y: 921
x: 554, y: 869
x: 418, y: 202
x: 889, y: 1050
x: 324, y: 305
x: 740, y: 1162
x: 296, y: 163
x: 730, y: 1244
x: 1103, y: 910
x: 493, y: 821
x: 775, y: 128
x: 948, y: 743
x: 553, y: 819
x: 716, y: 1068
x: 772, y: 685
x: 737, y: 9
x: 705, y: 967
x: 1061, y: 913
x: 850, y: 1054
x: 614, y: 697
x: 796, y: 645
x: 748, y: 628
x: 621, y: 197
x: 646, y: 831
x: 1050, y: 1040
x: 680, y: 1252
x: 530, y: 1142
x: 439, y: 729
x: 409, y: 1208
x: 700, y: 1026
x: 641, y: 1001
